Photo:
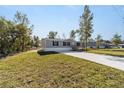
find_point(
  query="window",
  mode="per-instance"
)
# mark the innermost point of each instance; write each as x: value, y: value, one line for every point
x: 64, y: 43
x: 68, y: 43
x: 55, y: 43
x: 78, y: 44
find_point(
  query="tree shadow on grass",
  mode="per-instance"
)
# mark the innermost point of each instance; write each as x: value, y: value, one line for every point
x: 41, y: 52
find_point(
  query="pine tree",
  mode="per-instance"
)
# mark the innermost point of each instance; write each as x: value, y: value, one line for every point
x: 116, y: 39
x: 86, y: 25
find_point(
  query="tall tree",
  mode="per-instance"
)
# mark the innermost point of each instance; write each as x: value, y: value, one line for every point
x: 15, y: 36
x: 3, y: 35
x: 86, y: 25
x: 116, y: 39
x: 98, y: 40
x: 52, y: 35
x: 72, y: 34
x: 24, y: 30
x: 6, y: 28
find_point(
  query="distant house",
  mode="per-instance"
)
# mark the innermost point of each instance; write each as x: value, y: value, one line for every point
x: 118, y: 46
x: 57, y: 44
x: 66, y: 44
x: 121, y: 45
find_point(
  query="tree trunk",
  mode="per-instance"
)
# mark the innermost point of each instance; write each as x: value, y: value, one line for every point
x: 86, y: 43
x: 81, y: 45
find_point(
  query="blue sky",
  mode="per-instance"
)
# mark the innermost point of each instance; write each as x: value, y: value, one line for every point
x: 107, y: 21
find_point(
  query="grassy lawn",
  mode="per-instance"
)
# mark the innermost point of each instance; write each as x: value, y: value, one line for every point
x: 32, y: 69
x: 113, y: 52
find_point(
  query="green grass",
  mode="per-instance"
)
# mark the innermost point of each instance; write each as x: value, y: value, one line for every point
x: 113, y: 52
x: 30, y: 69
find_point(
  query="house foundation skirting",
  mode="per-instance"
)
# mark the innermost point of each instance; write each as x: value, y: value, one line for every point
x: 57, y: 49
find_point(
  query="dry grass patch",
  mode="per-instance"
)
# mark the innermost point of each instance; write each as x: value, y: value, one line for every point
x: 113, y: 52
x: 30, y: 69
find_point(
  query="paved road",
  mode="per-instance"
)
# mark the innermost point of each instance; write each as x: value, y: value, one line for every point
x: 112, y: 61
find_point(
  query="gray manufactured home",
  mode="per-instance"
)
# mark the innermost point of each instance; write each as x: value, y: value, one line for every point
x: 57, y: 44
x: 65, y: 44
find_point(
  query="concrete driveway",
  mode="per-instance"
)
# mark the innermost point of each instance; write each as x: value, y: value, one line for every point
x: 112, y: 61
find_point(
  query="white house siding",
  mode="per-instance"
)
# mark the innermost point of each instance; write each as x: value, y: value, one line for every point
x: 47, y: 45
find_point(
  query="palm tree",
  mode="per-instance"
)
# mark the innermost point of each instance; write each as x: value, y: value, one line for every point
x: 72, y: 34
x: 52, y: 35
x: 98, y: 40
